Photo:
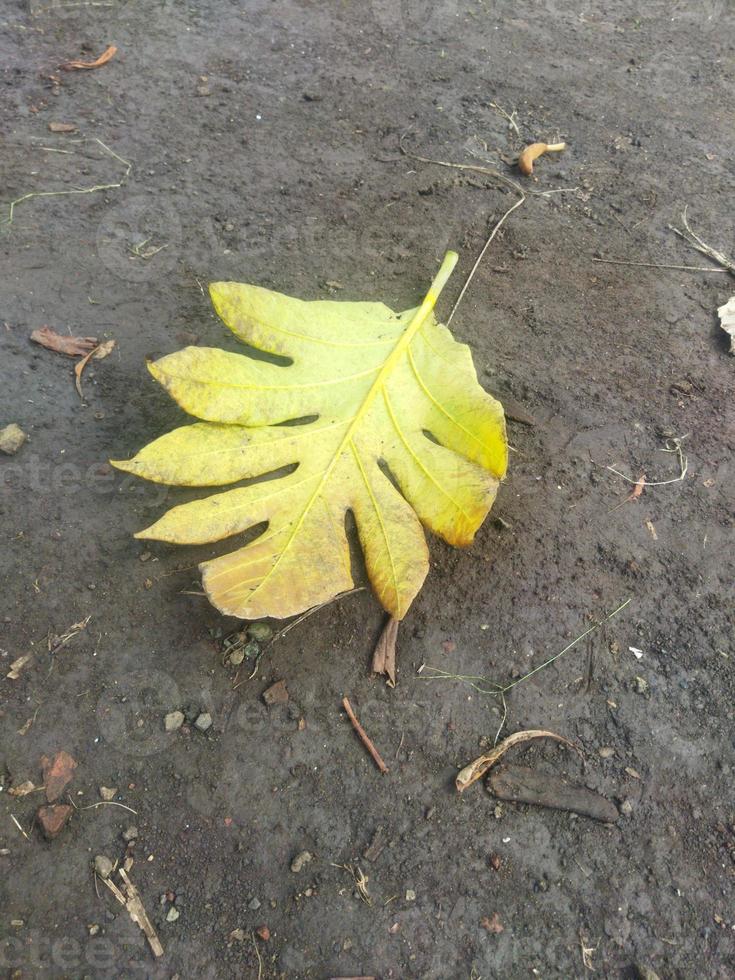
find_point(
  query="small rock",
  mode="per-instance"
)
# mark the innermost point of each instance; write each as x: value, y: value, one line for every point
x: 607, y: 752
x: 302, y: 858
x: 276, y: 694
x: 172, y: 914
x: 94, y: 930
x: 237, y: 657
x: 173, y: 721
x: 410, y: 895
x: 203, y: 721
x: 103, y: 866
x: 237, y: 936
x: 12, y: 438
x: 626, y: 808
x: 640, y: 685
x: 494, y: 861
x: 203, y: 90
x: 108, y: 793
x: 60, y: 127
x: 254, y: 904
x: 264, y: 933
x: 53, y: 818
x: 130, y: 833
x: 261, y: 632
x: 57, y: 773
x: 645, y: 973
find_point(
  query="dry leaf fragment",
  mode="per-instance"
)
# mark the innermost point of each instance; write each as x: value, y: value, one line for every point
x: 106, y: 55
x: 23, y: 789
x: 384, y: 657
x: 18, y: 665
x: 59, y: 127
x: 535, y: 150
x: 57, y: 773
x: 71, y: 346
x: 99, y: 352
x: 477, y: 769
x: 492, y: 924
x: 726, y: 314
x: 637, y: 489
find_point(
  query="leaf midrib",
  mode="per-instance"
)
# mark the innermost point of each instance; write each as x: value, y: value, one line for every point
x: 414, y: 325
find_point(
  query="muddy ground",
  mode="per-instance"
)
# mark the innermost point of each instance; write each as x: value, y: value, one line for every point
x: 259, y: 141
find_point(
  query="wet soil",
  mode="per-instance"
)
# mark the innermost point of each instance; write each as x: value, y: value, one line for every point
x: 259, y: 141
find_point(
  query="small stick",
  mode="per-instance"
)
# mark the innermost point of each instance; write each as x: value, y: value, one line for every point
x: 364, y: 737
x: 655, y: 265
x: 480, y: 257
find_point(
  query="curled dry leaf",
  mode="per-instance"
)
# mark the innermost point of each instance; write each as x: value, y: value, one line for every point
x: 533, y: 152
x: 477, y: 769
x: 726, y: 314
x: 99, y: 352
x: 76, y: 65
x: 71, y: 346
x: 384, y: 657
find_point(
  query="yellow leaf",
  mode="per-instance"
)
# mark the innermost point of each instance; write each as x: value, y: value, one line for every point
x: 376, y: 400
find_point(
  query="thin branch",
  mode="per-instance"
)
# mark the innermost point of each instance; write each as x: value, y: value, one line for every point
x: 364, y: 737
x: 655, y: 265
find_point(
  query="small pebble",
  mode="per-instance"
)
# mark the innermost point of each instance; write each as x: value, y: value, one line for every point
x: 130, y: 833
x: 204, y: 721
x: 302, y: 858
x: 640, y: 685
x: 626, y: 808
x: 12, y: 438
x: 172, y: 914
x: 254, y: 904
x: 237, y: 935
x: 173, y: 721
x: 103, y: 866
x: 410, y: 895
x: 108, y: 793
x: 94, y: 930
x: 237, y: 657
x: 607, y: 752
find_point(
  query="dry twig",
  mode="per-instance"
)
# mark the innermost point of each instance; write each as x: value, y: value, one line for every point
x: 364, y: 737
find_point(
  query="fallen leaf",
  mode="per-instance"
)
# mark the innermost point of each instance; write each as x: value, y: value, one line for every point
x: 726, y: 314
x: 475, y: 770
x: 106, y: 55
x: 492, y: 924
x: 637, y: 489
x: 369, y: 385
x: 384, y: 657
x: 97, y: 354
x: 18, y: 665
x: 71, y: 346
x: 23, y: 789
x: 57, y: 773
x: 59, y: 127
